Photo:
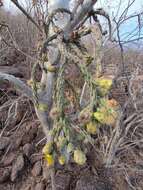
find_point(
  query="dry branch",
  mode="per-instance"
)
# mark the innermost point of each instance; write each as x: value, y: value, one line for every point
x: 26, y: 14
x: 18, y: 84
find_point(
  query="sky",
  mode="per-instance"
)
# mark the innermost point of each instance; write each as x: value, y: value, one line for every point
x: 138, y: 4
x: 112, y: 8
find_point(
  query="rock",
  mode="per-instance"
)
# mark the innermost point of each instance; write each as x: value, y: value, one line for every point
x: 4, y: 142
x: 89, y: 182
x: 62, y: 181
x: 28, y: 149
x: 15, y: 119
x: 4, y: 174
x: 16, y: 142
x: 46, y: 172
x: 27, y: 183
x: 37, y: 169
x: 17, y: 167
x: 30, y: 134
x: 9, y: 159
x: 39, y: 186
x: 35, y: 157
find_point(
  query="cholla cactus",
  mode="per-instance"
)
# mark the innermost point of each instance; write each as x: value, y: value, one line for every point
x: 66, y: 144
x: 66, y: 133
x: 107, y: 112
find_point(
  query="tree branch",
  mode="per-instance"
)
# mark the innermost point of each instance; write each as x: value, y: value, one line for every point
x: 45, y: 97
x: 19, y: 85
x: 101, y: 12
x: 86, y: 8
x: 26, y: 14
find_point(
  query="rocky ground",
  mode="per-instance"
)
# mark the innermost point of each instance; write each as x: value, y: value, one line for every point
x: 21, y: 140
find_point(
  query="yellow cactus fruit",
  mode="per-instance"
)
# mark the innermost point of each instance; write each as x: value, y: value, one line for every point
x: 85, y: 116
x: 62, y: 160
x: 51, y: 68
x: 99, y: 116
x: 70, y: 148
x: 106, y: 116
x: 42, y: 107
x: 50, y: 159
x: 48, y: 148
x: 104, y: 84
x: 107, y: 112
x: 55, y: 113
x: 79, y: 157
x: 91, y: 128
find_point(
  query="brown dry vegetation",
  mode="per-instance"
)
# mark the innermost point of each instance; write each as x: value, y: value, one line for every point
x: 21, y: 136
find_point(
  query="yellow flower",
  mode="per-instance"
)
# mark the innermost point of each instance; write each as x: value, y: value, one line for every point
x: 91, y: 128
x: 48, y: 148
x: 62, y: 160
x: 79, y: 157
x: 49, y: 158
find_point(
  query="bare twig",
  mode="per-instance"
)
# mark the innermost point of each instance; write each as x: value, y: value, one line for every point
x: 26, y: 14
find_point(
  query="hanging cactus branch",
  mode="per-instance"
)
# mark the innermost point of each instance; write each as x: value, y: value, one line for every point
x: 69, y: 128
